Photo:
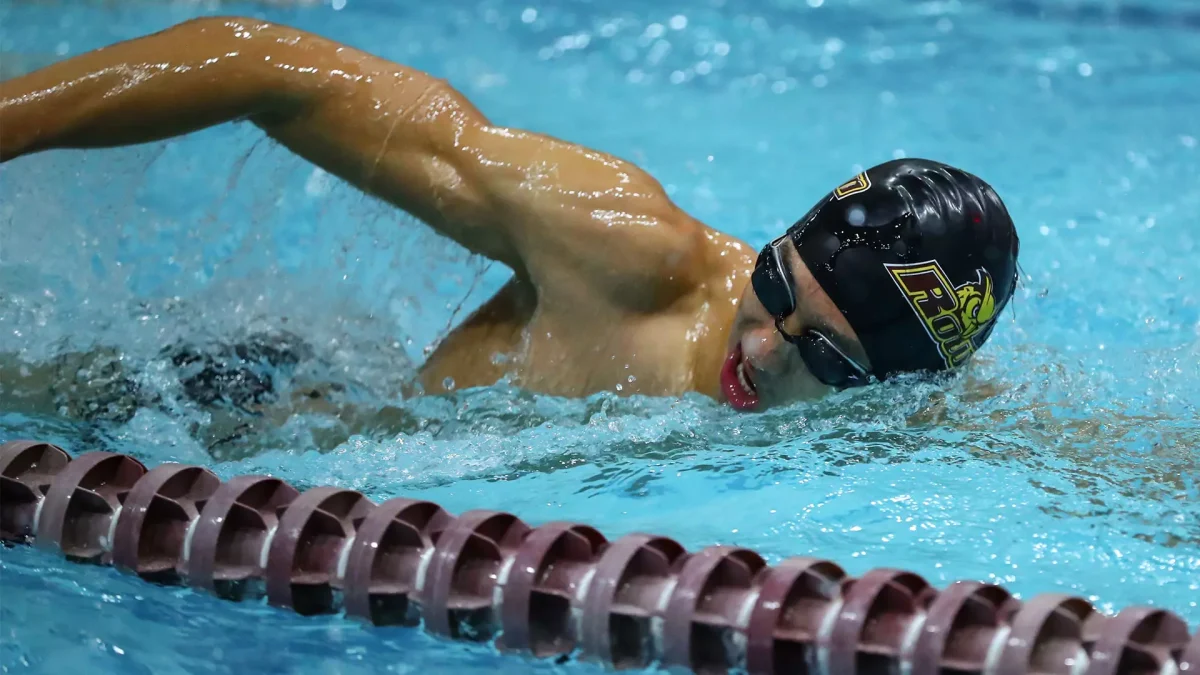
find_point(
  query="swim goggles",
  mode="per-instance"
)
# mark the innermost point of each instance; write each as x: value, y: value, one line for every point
x: 774, y: 285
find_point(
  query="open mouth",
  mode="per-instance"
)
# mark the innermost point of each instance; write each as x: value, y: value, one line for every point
x: 737, y: 383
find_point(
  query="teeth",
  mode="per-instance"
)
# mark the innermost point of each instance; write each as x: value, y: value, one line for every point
x: 741, y: 373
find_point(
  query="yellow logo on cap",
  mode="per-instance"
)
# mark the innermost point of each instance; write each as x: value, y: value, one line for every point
x: 955, y: 317
x: 860, y: 183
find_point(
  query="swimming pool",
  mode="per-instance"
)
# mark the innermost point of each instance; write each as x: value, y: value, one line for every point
x: 1069, y: 463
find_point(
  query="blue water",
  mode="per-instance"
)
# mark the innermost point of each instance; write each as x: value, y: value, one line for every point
x: 1068, y: 462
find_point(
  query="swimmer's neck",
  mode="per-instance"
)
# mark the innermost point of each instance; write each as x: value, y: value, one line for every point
x: 730, y: 261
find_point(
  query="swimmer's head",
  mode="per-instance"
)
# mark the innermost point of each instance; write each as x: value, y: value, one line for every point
x: 902, y: 269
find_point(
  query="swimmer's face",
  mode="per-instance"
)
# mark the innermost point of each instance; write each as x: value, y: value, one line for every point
x: 764, y: 369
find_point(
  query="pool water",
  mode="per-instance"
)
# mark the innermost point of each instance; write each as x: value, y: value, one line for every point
x: 1068, y: 461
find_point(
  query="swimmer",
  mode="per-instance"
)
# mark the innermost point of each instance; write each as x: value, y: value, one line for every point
x: 903, y: 268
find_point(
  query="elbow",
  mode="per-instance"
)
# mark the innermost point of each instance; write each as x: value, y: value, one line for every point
x: 224, y: 36
x: 220, y: 26
x: 248, y: 53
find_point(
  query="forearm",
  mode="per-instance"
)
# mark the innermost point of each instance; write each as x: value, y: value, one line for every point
x: 193, y: 75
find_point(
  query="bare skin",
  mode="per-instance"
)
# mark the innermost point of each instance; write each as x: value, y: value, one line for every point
x: 614, y: 287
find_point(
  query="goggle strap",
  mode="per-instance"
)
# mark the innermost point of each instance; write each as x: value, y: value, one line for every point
x: 785, y: 275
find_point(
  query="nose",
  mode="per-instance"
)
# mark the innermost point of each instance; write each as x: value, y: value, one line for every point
x: 760, y: 346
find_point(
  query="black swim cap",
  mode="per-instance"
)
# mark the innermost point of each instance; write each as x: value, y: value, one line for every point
x: 919, y: 256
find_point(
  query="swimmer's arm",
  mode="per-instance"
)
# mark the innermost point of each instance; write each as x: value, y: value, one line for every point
x: 560, y: 215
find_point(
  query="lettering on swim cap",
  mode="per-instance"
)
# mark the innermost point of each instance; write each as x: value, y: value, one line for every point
x: 860, y: 183
x: 955, y: 317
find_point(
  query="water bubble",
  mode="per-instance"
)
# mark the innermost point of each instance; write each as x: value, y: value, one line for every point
x: 880, y: 55
x: 856, y: 216
x: 703, y: 68
x: 678, y: 22
x: 655, y: 30
x: 945, y: 25
x: 658, y: 52
x: 318, y: 184
x: 1085, y: 69
x: 721, y: 48
x: 529, y: 15
x: 819, y: 81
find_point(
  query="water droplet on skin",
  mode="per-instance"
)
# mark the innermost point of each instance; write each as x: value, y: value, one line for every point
x: 448, y: 384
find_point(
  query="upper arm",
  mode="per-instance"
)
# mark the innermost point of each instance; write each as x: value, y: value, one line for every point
x: 555, y: 212
x: 578, y: 217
